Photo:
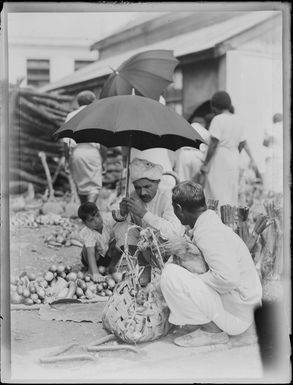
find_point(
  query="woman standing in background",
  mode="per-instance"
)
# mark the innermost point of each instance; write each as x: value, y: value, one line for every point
x: 222, y: 163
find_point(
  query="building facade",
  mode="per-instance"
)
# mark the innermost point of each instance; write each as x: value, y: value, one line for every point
x: 240, y: 52
x: 40, y: 61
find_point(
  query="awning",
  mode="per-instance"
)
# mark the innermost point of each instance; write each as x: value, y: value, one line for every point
x: 184, y: 44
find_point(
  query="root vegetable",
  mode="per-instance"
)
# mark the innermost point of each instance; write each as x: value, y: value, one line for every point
x: 49, y: 276
x: 111, y: 283
x: 16, y: 298
x: 44, y: 283
x: 80, y: 275
x: 71, y: 291
x: 108, y: 292
x: 72, y: 276
x: 60, y: 269
x: 34, y: 297
x: 60, y: 239
x: 31, y: 276
x: 26, y: 293
x: 41, y: 293
x: 102, y: 269
x: 28, y: 301
x: 83, y: 285
x: 19, y: 290
x: 79, y: 292
x: 99, y: 287
x: 117, y: 276
x: 89, y: 294
x: 92, y: 287
x: 53, y: 268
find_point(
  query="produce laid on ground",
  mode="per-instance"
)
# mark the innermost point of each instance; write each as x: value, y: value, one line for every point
x: 59, y: 281
x: 66, y: 232
x: 34, y: 219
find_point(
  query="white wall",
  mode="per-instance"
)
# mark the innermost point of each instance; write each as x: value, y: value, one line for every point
x: 61, y: 58
x: 254, y: 82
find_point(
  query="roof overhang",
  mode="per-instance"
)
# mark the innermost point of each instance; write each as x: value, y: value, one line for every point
x: 211, y: 41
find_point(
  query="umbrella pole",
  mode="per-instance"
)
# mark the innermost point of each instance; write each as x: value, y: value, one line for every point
x: 127, y: 166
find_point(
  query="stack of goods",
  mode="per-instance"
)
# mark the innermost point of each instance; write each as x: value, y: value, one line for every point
x: 263, y: 237
x: 228, y: 214
x: 135, y: 313
x: 269, y: 253
x: 35, y: 116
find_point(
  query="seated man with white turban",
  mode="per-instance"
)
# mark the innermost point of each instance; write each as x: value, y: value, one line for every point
x: 147, y: 206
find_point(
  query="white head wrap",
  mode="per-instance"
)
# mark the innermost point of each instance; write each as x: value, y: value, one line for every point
x: 141, y: 168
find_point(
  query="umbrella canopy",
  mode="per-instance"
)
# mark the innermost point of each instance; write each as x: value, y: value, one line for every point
x: 148, y: 72
x: 129, y: 120
x: 116, y: 120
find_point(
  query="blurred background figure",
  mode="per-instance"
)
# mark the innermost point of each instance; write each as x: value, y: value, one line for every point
x: 222, y: 163
x: 86, y: 161
x: 273, y: 142
x: 166, y: 158
x: 190, y: 159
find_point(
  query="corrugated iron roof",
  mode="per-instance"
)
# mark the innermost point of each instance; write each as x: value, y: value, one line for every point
x: 192, y: 42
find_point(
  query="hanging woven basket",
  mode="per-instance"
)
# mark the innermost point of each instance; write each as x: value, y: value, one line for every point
x: 134, y: 313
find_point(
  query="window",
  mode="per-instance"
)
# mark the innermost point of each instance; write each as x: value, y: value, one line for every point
x: 38, y: 72
x: 78, y: 64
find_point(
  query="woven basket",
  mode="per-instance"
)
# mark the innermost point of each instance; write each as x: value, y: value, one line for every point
x: 137, y: 314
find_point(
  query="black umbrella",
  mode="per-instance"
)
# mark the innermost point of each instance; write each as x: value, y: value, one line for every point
x: 130, y: 120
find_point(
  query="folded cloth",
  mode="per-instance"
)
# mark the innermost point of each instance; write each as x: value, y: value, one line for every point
x: 199, y: 338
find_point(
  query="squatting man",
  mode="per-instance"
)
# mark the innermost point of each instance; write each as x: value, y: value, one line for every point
x: 222, y: 300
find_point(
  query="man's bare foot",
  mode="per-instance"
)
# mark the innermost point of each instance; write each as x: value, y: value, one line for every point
x: 200, y: 338
x: 211, y: 327
x: 190, y: 328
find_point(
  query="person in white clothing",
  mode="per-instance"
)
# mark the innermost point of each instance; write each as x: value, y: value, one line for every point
x: 222, y: 163
x: 221, y: 301
x: 273, y: 142
x: 147, y: 205
x: 190, y: 159
x: 159, y: 155
x: 86, y: 161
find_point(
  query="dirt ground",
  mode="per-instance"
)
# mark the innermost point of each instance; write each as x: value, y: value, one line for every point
x: 159, y: 361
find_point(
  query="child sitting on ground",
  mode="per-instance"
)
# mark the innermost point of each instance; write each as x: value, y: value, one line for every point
x: 98, y: 241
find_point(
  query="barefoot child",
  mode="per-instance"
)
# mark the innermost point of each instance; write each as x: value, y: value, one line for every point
x: 98, y: 240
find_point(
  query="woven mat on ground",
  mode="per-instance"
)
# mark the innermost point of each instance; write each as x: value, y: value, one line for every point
x: 77, y: 312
